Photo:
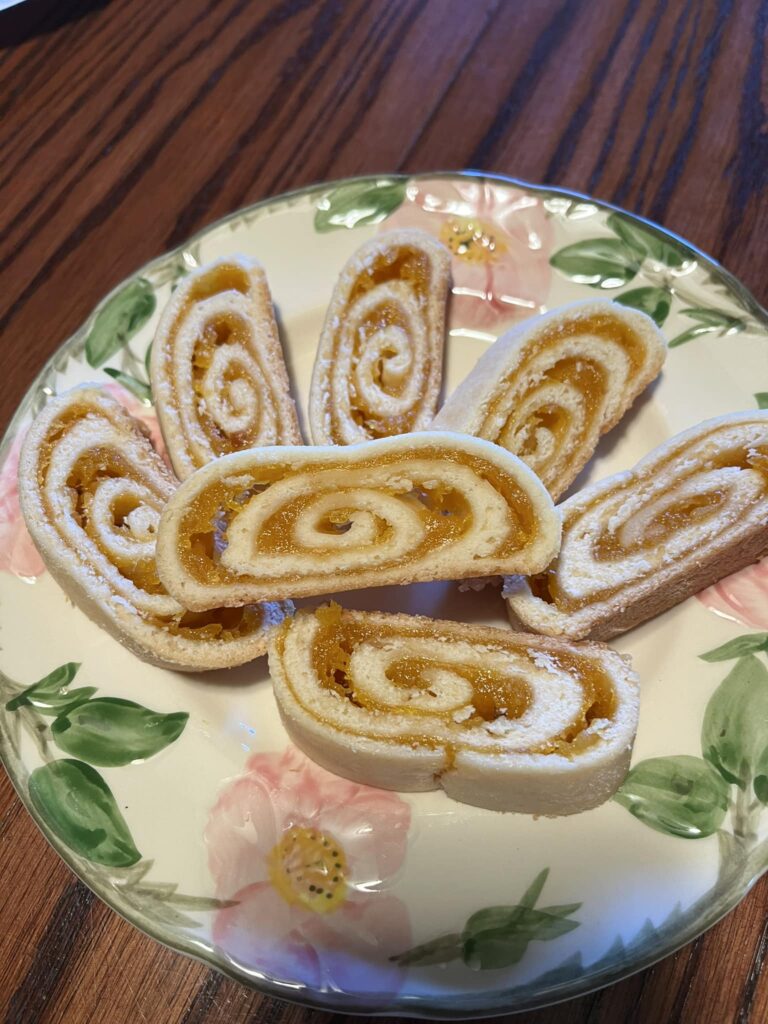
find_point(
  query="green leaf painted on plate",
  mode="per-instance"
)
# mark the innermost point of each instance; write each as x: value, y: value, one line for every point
x: 750, y: 643
x: 708, y: 321
x: 438, y: 951
x: 499, y: 936
x: 51, y: 694
x: 78, y: 806
x: 136, y: 387
x: 148, y: 360
x: 734, y: 734
x: 123, y: 315
x: 646, y: 243
x: 712, y: 317
x: 358, y: 203
x: 762, y: 399
x: 654, y: 302
x: 685, y: 336
x: 761, y: 788
x: 681, y: 796
x: 112, y: 732
x: 600, y: 262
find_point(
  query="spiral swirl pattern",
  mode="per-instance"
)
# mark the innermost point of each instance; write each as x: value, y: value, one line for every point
x: 499, y: 719
x: 548, y: 389
x: 92, y: 491
x: 218, y: 376
x: 691, y: 512
x: 379, y: 362
x: 303, y: 521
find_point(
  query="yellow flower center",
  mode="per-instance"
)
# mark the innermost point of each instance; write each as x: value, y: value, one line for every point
x: 308, y: 867
x: 471, y: 239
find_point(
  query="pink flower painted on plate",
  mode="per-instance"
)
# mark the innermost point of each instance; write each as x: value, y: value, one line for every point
x: 500, y: 238
x: 18, y: 554
x: 742, y: 597
x: 308, y: 857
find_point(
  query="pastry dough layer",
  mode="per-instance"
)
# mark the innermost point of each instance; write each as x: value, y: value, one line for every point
x: 219, y: 380
x: 692, y: 511
x: 379, y: 362
x: 501, y: 720
x: 548, y: 389
x: 92, y: 489
x: 274, y: 522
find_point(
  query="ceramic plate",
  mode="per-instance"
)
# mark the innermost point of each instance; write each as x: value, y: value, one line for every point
x: 172, y: 809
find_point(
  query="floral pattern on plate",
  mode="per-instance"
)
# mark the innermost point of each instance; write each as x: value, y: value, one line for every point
x: 500, y: 239
x: 306, y: 859
x: 742, y: 597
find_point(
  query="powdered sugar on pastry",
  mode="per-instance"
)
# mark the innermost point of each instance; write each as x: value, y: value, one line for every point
x: 497, y: 719
x: 692, y: 511
x: 301, y: 521
x: 548, y: 389
x: 92, y: 489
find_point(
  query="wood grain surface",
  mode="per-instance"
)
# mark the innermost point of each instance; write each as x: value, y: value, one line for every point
x: 125, y: 126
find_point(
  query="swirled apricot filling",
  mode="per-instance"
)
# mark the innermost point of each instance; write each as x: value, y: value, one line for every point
x: 444, y: 512
x: 223, y: 329
x: 92, y: 468
x: 404, y: 263
x: 494, y: 696
x: 558, y: 420
x: 578, y: 372
x: 217, y: 624
x: 621, y: 540
x: 412, y: 267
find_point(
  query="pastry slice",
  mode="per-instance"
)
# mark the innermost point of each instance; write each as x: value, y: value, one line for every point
x: 502, y: 720
x: 279, y: 522
x: 550, y: 387
x: 691, y: 512
x: 92, y: 489
x: 219, y: 380
x: 379, y: 362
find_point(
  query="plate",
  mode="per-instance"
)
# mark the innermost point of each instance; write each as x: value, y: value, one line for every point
x: 448, y: 910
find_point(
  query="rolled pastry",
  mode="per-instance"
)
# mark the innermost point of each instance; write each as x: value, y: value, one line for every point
x: 550, y: 387
x: 379, y: 362
x: 639, y: 542
x: 219, y: 381
x: 274, y: 522
x: 92, y: 488
x: 502, y: 720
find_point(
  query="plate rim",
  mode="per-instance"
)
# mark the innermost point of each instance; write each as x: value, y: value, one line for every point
x: 451, y: 1007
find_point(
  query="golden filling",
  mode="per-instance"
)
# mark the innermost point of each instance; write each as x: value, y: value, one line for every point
x: 612, y: 546
x: 578, y: 372
x: 494, y: 695
x: 402, y: 264
x: 587, y: 378
x: 98, y: 464
x: 225, y: 329
x: 443, y: 511
x: 89, y: 471
x: 411, y: 266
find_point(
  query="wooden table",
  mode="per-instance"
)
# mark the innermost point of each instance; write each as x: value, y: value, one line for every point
x: 126, y: 126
